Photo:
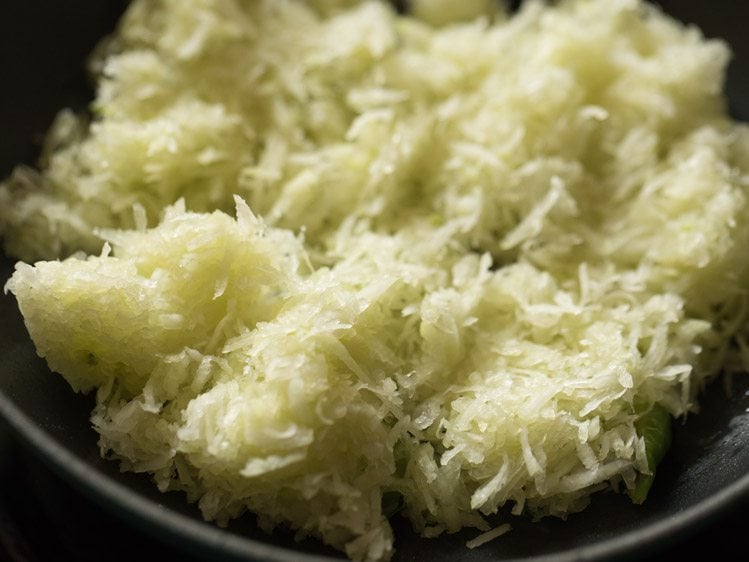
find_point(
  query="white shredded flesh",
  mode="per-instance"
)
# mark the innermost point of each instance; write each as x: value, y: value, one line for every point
x: 451, y: 256
x: 490, y: 535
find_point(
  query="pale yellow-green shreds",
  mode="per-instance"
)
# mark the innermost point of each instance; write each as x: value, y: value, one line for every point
x: 450, y: 258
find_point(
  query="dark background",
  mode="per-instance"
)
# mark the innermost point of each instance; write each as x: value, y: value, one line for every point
x: 42, y: 46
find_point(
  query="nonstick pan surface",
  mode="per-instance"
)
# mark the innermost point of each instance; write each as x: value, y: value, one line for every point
x: 705, y: 474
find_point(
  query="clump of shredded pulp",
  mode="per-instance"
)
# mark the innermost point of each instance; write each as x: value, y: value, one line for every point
x: 360, y: 262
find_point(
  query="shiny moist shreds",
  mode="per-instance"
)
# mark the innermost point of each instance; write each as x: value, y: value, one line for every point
x: 360, y: 265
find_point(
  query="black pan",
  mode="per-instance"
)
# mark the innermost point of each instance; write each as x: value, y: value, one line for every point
x: 705, y: 474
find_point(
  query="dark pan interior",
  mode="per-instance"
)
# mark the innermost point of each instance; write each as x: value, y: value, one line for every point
x: 705, y: 473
